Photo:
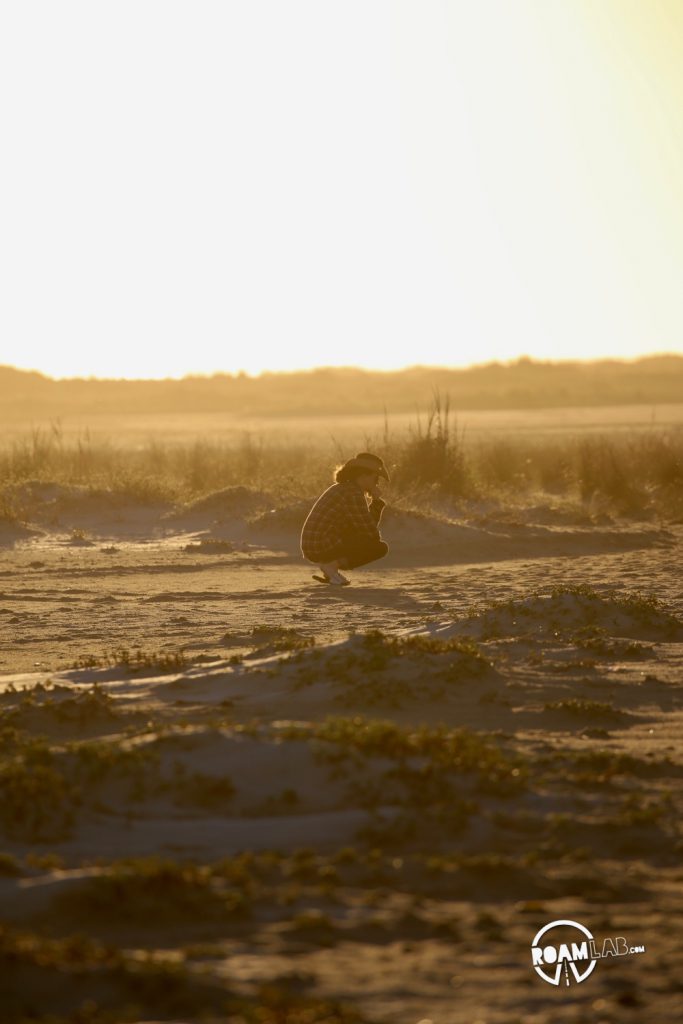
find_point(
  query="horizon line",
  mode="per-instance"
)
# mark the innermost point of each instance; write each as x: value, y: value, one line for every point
x: 241, y: 373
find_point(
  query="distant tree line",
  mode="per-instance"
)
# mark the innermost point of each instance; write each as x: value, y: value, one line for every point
x: 523, y: 384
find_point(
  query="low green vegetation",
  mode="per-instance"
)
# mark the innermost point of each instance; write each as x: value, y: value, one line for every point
x: 581, y: 614
x: 276, y: 639
x: 207, y: 546
x: 45, y: 790
x: 9, y: 866
x: 136, y: 661
x: 77, y: 980
x: 153, y: 892
x: 38, y: 802
x: 87, y: 707
x: 380, y: 669
x: 602, y: 766
x: 424, y: 761
x: 583, y: 708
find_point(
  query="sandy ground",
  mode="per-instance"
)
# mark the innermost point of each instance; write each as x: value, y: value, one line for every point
x: 531, y: 667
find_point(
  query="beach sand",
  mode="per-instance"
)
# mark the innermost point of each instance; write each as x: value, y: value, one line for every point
x: 375, y: 795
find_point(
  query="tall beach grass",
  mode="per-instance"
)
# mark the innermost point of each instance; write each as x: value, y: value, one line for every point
x: 432, y: 464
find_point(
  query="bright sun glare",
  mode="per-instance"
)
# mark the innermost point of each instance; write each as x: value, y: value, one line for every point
x: 225, y: 186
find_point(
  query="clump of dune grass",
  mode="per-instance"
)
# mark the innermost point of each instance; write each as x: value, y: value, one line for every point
x: 153, y: 891
x: 597, y: 640
x: 77, y: 980
x: 636, y: 602
x: 314, y: 926
x: 10, y: 514
x: 84, y: 708
x: 271, y: 639
x: 440, y: 749
x: 583, y: 708
x: 38, y: 801
x: 575, y: 611
x: 210, y: 547
x: 637, y: 810
x: 433, y: 456
x: 9, y: 866
x: 381, y: 669
x: 135, y: 661
x: 606, y: 766
x: 428, y: 778
x: 45, y: 791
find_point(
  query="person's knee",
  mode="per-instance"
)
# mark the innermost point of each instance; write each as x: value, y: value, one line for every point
x: 361, y: 554
x: 375, y: 551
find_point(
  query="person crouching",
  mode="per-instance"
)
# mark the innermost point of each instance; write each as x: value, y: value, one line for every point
x: 342, y: 530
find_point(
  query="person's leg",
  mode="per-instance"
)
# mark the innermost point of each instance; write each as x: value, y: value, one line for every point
x: 360, y: 551
x: 328, y: 561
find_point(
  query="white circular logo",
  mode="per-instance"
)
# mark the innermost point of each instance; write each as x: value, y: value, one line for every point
x: 563, y: 956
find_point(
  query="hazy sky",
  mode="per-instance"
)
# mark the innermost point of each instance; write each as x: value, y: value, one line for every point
x: 241, y: 184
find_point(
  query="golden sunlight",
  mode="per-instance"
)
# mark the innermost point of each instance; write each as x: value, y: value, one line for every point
x: 376, y: 184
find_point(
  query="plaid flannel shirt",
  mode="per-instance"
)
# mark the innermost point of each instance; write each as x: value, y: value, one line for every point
x: 340, y: 511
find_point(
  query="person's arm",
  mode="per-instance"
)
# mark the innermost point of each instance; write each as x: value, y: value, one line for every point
x: 361, y: 519
x: 376, y: 508
x: 377, y: 503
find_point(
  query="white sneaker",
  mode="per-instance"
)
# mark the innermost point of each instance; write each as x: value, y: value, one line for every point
x: 334, y: 576
x: 337, y: 580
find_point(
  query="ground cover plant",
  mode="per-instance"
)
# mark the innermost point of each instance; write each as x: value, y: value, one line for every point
x: 379, y: 669
x: 77, y: 980
x: 136, y: 661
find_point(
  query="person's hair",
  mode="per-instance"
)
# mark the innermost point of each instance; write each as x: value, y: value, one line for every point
x: 347, y: 474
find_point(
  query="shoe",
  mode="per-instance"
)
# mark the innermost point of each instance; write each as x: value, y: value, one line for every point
x: 332, y: 576
x: 337, y: 580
